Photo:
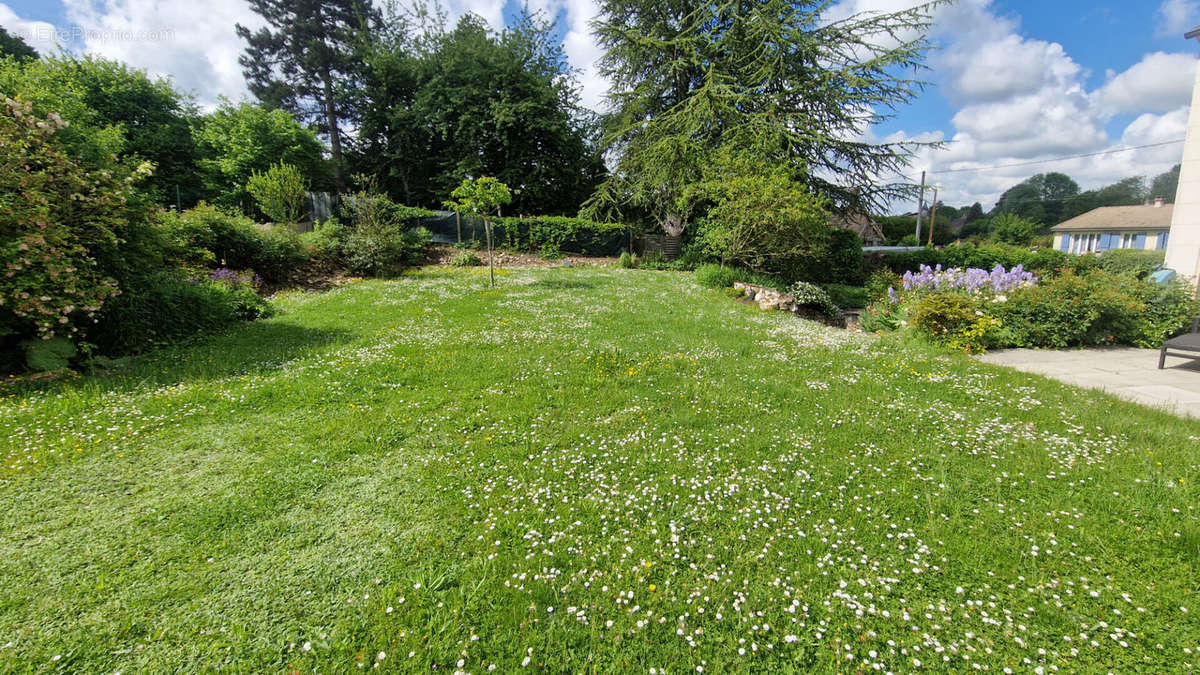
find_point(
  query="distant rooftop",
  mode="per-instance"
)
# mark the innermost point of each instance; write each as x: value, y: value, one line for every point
x: 1120, y: 218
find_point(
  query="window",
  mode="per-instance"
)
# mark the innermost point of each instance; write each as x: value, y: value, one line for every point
x: 1127, y: 240
x: 1085, y: 243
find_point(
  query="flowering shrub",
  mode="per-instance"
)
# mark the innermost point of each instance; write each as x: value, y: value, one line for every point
x: 58, y: 224
x: 973, y: 309
x: 970, y: 280
x: 812, y: 295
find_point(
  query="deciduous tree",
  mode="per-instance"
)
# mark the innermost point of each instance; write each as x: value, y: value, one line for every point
x: 14, y: 46
x: 440, y: 105
x: 481, y: 197
x: 1165, y: 185
x: 237, y: 140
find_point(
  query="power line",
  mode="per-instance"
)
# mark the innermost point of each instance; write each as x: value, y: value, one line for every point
x: 1059, y: 159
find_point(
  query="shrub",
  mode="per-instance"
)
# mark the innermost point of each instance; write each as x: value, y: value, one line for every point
x: 280, y: 193
x: 954, y: 320
x: 847, y: 296
x: 655, y: 260
x: 1169, y: 312
x: 208, y: 235
x: 384, y: 253
x: 1010, y: 228
x: 167, y: 309
x: 715, y: 276
x: 60, y: 230
x: 379, y: 241
x: 325, y: 240
x: 551, y: 252
x: 1095, y: 308
x: 815, y: 297
x: 248, y: 304
x: 52, y: 354
x: 881, y: 282
x: 692, y: 256
x: 1131, y: 262
x: 626, y: 261
x: 465, y: 259
x: 987, y: 256
x: 845, y: 262
x: 761, y: 218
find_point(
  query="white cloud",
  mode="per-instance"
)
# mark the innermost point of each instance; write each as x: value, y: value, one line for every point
x: 1019, y: 99
x: 1159, y: 82
x: 1176, y: 17
x: 194, y: 43
x: 579, y: 45
x: 1024, y: 100
x: 1006, y: 67
x: 42, y: 36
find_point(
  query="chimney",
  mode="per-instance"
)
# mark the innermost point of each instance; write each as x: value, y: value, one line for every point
x: 1158, y: 202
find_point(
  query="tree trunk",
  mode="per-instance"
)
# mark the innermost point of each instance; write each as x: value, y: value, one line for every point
x: 335, y: 133
x: 674, y: 225
x: 487, y: 228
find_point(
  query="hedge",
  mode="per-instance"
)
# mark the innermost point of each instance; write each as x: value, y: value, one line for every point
x: 554, y: 234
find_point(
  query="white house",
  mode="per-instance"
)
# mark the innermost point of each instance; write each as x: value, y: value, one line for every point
x: 1111, y: 227
x: 1183, y: 250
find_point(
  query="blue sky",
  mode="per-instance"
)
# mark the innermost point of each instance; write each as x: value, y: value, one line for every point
x: 1014, y: 80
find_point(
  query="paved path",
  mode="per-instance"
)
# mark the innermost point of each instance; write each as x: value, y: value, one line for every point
x: 1126, y: 372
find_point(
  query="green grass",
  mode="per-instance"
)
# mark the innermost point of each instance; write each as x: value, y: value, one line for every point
x: 595, y: 470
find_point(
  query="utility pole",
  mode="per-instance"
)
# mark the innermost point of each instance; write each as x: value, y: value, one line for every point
x: 920, y: 207
x: 933, y: 215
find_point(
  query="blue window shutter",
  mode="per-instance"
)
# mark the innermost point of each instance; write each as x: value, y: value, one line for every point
x: 1109, y: 240
x: 1162, y: 240
x: 1139, y: 240
x: 1066, y: 243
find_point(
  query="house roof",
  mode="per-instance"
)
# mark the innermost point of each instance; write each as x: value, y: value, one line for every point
x: 1120, y: 218
x: 866, y: 228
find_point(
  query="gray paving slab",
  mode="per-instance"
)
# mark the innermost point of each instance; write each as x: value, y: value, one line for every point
x: 1126, y: 372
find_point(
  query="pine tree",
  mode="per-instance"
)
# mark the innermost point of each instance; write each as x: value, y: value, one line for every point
x: 778, y: 79
x: 305, y: 61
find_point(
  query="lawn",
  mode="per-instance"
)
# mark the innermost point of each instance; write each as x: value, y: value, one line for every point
x: 586, y: 470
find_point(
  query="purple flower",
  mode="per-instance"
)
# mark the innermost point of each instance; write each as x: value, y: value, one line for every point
x: 971, y: 280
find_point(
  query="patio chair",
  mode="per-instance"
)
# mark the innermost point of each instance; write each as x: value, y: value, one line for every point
x: 1185, y: 346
